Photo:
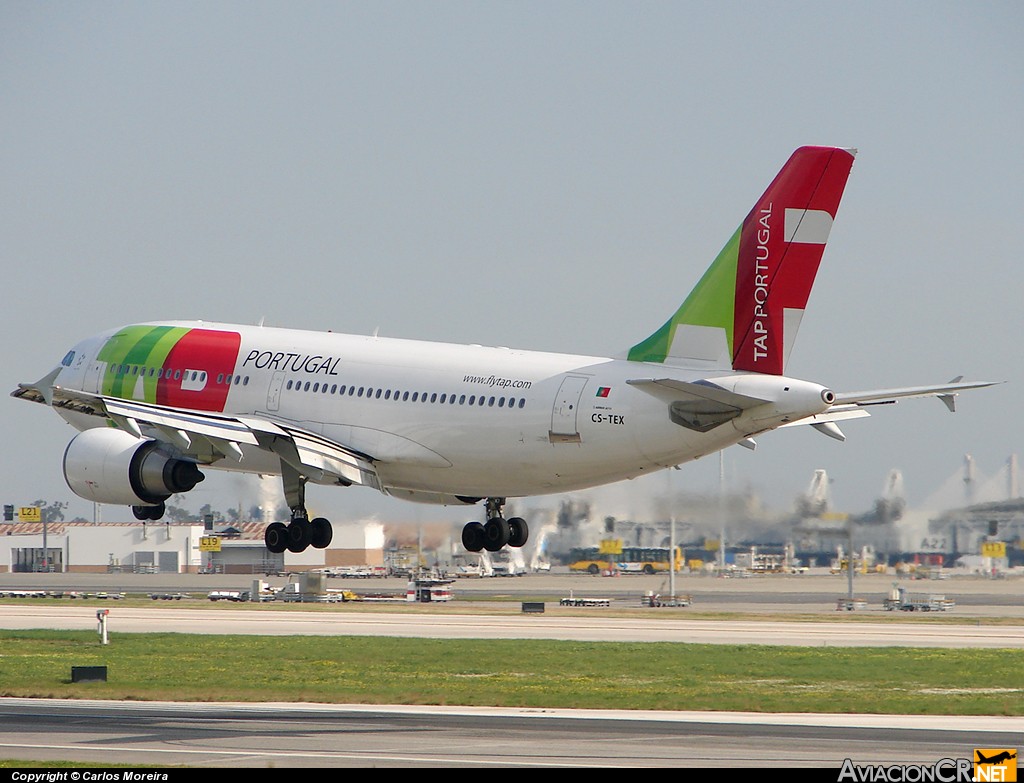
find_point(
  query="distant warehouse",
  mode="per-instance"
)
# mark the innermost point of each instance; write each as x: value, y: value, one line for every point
x: 174, y: 548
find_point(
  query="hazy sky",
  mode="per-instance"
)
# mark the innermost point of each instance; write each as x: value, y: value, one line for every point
x: 544, y: 175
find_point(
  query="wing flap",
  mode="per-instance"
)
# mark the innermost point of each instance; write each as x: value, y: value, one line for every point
x: 207, y: 425
x: 327, y: 456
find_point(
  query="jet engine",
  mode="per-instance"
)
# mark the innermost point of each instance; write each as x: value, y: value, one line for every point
x: 106, y: 465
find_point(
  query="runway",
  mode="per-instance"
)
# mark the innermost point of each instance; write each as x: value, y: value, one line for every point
x: 354, y: 736
x: 509, y: 623
x: 360, y: 736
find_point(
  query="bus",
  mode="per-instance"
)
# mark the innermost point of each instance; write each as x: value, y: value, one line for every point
x: 648, y: 560
x: 589, y: 560
x: 632, y: 560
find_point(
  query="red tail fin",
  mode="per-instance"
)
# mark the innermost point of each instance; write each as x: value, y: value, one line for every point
x: 781, y: 243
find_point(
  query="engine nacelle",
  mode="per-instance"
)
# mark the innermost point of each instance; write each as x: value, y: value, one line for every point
x: 106, y: 465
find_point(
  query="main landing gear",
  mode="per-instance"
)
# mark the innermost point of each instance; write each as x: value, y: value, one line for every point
x: 496, y: 532
x: 301, y: 532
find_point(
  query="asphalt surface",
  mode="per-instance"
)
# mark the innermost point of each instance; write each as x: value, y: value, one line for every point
x: 815, y: 593
x: 764, y: 609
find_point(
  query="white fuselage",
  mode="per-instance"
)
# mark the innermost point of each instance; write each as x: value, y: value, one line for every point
x: 441, y: 420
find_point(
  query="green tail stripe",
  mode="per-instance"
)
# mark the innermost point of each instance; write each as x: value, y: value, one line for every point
x: 711, y: 303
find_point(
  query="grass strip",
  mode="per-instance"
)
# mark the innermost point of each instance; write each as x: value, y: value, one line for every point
x: 515, y: 673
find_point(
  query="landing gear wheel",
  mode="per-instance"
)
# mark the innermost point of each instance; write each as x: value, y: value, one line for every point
x: 300, y: 535
x: 518, y: 531
x: 276, y: 538
x: 322, y: 533
x: 496, y: 533
x: 473, y: 537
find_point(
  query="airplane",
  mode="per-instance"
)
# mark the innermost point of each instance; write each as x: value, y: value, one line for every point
x: 1005, y: 755
x: 464, y: 424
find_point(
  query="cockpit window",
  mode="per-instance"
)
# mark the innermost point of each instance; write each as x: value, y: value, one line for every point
x: 66, y: 361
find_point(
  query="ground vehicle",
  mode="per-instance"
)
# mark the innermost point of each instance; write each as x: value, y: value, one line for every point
x: 631, y: 560
x: 590, y: 560
x: 900, y: 599
x: 647, y: 560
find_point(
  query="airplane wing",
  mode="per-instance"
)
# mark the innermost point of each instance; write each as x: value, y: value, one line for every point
x: 210, y: 437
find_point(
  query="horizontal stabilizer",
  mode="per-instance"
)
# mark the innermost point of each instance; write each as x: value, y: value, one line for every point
x: 946, y: 392
x: 671, y: 389
x: 699, y: 406
x: 833, y: 414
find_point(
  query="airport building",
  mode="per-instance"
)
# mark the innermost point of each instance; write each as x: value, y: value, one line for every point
x: 175, y: 548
